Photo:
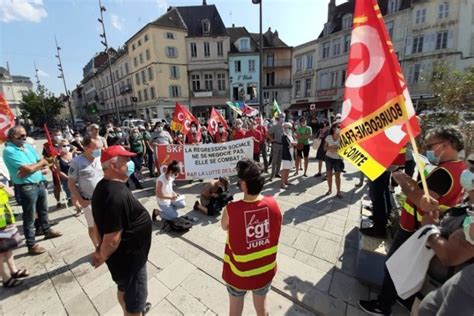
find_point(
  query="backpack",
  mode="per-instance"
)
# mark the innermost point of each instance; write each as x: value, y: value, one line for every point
x: 179, y: 225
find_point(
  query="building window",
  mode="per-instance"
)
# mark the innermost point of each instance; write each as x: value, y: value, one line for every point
x: 443, y: 10
x: 420, y: 16
x: 171, y: 51
x: 193, y: 50
x: 140, y: 96
x: 174, y: 72
x: 327, y: 29
x: 270, y: 59
x: 206, y: 26
x: 137, y: 78
x: 146, y: 38
x: 174, y: 91
x: 414, y: 74
x: 141, y: 58
x: 145, y: 94
x: 347, y: 21
x: 170, y: 35
x: 297, y: 88
x: 326, y: 48
x: 334, y: 79
x: 133, y: 46
x: 343, y: 78
x: 208, y: 82
x: 117, y: 75
x: 135, y: 61
x: 220, y: 48
x: 299, y: 63
x: 417, y: 44
x: 390, y: 26
x: 307, y: 91
x: 251, y: 65
x: 221, y: 82
x: 143, y: 77
x: 147, y: 53
x: 244, y: 45
x: 336, y: 47
x: 393, y: 6
x: 152, y: 93
x: 150, y: 74
x: 347, y: 43
x: 237, y: 65
x: 442, y: 40
x: 309, y: 61
x: 139, y: 42
x: 196, y: 82
x: 270, y: 79
x: 207, y: 50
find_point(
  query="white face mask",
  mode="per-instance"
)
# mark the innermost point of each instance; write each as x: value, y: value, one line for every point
x: 65, y: 149
x: 159, y: 129
x: 58, y: 138
x: 221, y: 129
x: 193, y: 129
x: 468, y: 221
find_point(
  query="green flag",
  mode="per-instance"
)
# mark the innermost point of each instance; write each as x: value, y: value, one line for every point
x: 276, y: 109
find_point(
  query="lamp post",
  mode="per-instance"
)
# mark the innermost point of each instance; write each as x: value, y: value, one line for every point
x: 38, y: 84
x: 104, y: 42
x: 61, y: 76
x: 260, y: 86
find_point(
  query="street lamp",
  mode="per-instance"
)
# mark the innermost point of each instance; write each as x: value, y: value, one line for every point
x: 260, y: 86
x: 104, y: 42
x: 61, y: 76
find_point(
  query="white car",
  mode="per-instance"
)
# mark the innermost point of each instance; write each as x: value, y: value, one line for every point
x: 132, y: 122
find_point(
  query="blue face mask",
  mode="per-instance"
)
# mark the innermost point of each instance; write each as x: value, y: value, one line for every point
x: 467, y: 180
x: 130, y: 168
x: 96, y: 153
x: 432, y: 157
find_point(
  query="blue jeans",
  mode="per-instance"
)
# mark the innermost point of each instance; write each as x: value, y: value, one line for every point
x: 34, y: 200
x: 66, y: 188
x: 170, y: 212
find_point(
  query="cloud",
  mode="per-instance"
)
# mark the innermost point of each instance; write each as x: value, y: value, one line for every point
x: 162, y: 4
x: 116, y: 21
x: 43, y: 73
x: 22, y: 10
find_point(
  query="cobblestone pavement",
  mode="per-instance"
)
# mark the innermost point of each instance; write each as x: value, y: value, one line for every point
x: 316, y: 260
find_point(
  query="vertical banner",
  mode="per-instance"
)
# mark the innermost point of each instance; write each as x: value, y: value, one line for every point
x: 205, y: 161
x: 214, y: 119
x: 377, y: 106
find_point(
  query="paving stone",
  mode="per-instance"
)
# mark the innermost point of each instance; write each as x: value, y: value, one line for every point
x: 305, y: 242
x: 327, y: 250
x: 316, y: 222
x: 354, y: 311
x: 98, y: 285
x: 106, y: 300
x: 175, y: 273
x: 325, y: 234
x: 324, y: 303
x: 80, y: 305
x: 185, y: 302
x: 313, y: 261
x: 287, y: 250
x: 157, y: 291
x: 334, y: 226
x: 348, y: 288
x: 288, y: 235
x: 165, y: 308
x: 64, y: 281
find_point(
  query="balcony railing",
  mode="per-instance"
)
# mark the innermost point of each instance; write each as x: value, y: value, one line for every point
x: 278, y: 84
x: 269, y: 63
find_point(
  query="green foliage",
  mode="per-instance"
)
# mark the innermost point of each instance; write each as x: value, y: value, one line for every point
x: 40, y: 106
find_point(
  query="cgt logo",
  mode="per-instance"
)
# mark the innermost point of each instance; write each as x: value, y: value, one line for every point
x: 257, y: 227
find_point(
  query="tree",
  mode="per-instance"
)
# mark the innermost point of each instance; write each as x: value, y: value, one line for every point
x: 41, y: 106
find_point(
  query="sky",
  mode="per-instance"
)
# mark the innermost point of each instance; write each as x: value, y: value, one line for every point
x: 28, y: 29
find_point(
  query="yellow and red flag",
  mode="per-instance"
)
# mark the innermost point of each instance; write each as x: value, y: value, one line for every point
x: 182, y: 119
x: 214, y: 119
x: 377, y: 106
x: 7, y: 119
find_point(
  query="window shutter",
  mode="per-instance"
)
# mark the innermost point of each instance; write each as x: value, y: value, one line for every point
x: 450, y: 39
x: 409, y: 46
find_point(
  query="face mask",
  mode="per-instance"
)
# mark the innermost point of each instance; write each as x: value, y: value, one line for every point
x: 96, y: 153
x: 254, y: 126
x: 159, y: 129
x: 58, y: 138
x: 432, y: 157
x: 288, y: 130
x: 130, y: 168
x: 239, y: 126
x: 303, y: 123
x: 204, y: 133
x: 19, y: 142
x: 193, y: 129
x: 467, y: 180
x: 172, y: 177
x: 65, y: 149
x: 467, y: 227
x: 78, y: 139
x: 337, y: 130
x: 119, y: 134
x: 135, y: 135
x: 221, y: 130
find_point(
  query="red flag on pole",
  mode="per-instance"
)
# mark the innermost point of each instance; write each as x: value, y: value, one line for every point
x: 377, y: 106
x: 49, y: 146
x: 214, y: 119
x: 182, y: 119
x: 7, y: 119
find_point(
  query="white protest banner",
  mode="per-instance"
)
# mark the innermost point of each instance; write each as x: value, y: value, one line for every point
x: 207, y: 161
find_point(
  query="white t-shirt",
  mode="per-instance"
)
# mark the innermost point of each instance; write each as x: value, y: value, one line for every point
x: 166, y: 189
x: 332, y: 153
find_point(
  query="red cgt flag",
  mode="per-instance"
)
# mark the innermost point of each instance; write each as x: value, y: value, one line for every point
x: 214, y: 119
x: 182, y: 119
x: 377, y: 106
x: 7, y: 119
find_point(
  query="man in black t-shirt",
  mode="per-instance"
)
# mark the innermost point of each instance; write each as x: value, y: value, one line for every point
x: 125, y: 228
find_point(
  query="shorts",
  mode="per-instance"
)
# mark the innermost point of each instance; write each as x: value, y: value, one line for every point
x: 135, y: 290
x: 333, y: 164
x: 239, y: 293
x: 88, y: 215
x: 304, y: 152
x: 287, y: 164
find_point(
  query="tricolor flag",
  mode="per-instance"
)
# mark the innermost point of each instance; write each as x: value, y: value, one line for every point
x: 214, y: 119
x: 241, y: 108
x: 182, y: 119
x: 276, y: 109
x: 377, y: 106
x: 7, y: 119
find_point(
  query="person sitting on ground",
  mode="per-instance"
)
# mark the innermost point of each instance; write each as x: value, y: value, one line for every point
x: 168, y: 201
x: 214, y: 196
x: 253, y: 227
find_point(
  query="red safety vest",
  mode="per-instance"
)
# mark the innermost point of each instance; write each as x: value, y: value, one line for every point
x: 450, y: 199
x: 252, y: 243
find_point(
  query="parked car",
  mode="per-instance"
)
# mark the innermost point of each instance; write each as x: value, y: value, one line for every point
x: 160, y: 119
x: 135, y: 122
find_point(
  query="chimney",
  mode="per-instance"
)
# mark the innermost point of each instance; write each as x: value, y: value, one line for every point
x: 233, y: 25
x: 331, y: 10
x: 204, y: 2
x: 275, y: 33
x: 269, y: 29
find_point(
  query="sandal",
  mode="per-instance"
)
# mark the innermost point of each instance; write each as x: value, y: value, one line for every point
x: 20, y: 273
x: 328, y: 193
x: 12, y: 282
x: 339, y: 195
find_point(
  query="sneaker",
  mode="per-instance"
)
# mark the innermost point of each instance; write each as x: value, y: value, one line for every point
x: 373, y: 232
x: 51, y: 233
x: 36, y: 250
x: 373, y: 307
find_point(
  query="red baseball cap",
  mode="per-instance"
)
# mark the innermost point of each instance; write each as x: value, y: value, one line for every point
x: 115, y: 151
